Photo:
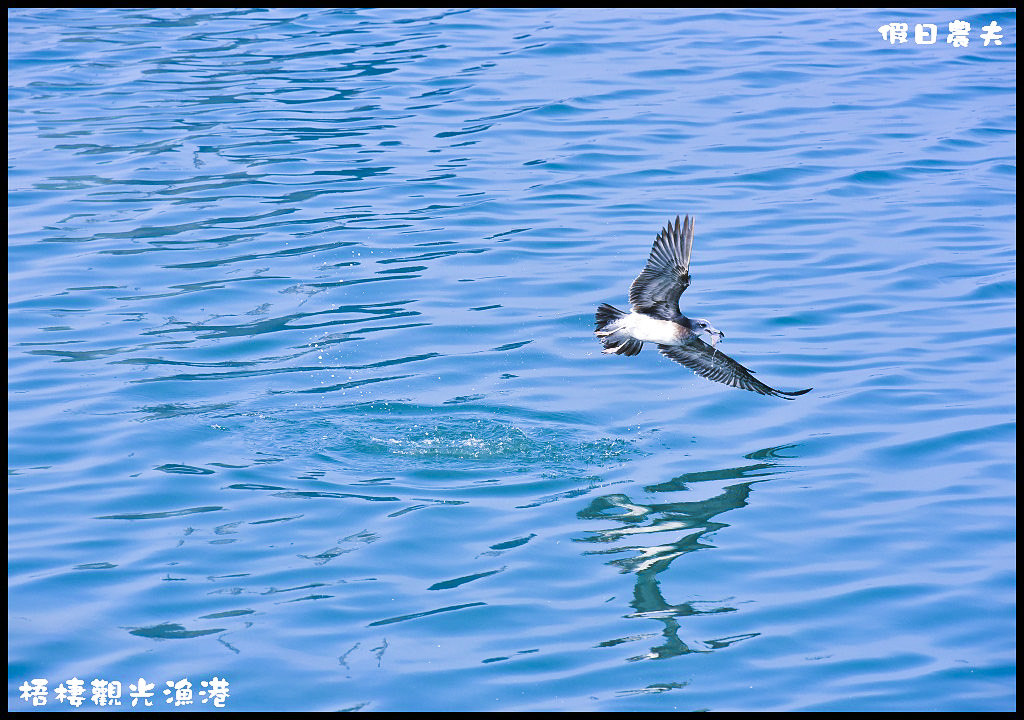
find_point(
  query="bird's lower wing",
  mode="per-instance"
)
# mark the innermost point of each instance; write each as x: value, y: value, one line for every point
x: 715, y: 365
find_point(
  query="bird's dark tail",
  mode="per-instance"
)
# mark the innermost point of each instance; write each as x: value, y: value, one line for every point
x: 615, y: 339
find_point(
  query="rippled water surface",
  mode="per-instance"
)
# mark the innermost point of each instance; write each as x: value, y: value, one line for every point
x: 304, y: 394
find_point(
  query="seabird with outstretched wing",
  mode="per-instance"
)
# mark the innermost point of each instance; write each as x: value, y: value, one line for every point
x: 655, y: 317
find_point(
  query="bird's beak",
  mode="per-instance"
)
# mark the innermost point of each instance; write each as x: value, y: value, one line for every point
x: 715, y: 335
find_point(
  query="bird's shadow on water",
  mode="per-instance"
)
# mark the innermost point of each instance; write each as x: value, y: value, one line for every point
x: 631, y: 525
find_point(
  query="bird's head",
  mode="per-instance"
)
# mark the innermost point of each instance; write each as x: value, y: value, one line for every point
x: 701, y: 325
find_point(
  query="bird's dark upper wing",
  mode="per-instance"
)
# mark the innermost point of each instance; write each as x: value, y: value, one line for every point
x: 716, y: 365
x: 657, y: 289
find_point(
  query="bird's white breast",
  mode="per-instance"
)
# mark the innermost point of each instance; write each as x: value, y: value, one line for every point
x: 649, y: 329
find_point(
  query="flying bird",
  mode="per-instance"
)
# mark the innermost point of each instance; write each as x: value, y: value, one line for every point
x: 655, y: 317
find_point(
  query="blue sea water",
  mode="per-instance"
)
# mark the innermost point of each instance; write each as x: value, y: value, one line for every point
x: 303, y: 391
